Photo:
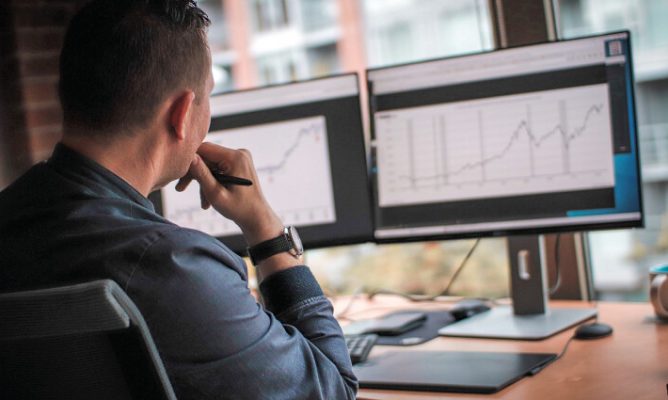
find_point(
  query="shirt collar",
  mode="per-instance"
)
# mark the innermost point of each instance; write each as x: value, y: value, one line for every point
x: 71, y: 162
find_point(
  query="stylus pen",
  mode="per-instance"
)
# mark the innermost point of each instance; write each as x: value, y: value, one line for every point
x: 229, y: 179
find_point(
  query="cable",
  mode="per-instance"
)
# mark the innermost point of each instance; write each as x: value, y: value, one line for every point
x: 342, y: 314
x: 568, y: 342
x: 411, y: 297
x: 444, y: 292
x: 557, y: 267
x: 555, y: 359
x: 561, y: 354
x: 563, y: 351
x: 459, y: 269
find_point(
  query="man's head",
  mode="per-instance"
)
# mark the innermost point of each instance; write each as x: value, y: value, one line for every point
x: 122, y: 58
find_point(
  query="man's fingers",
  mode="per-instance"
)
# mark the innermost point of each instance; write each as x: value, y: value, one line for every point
x: 226, y: 160
x: 210, y: 191
x: 200, y: 172
x: 215, y: 153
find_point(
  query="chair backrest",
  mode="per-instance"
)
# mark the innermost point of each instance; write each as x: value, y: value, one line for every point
x: 84, y: 341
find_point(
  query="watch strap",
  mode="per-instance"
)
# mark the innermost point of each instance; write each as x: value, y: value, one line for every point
x: 268, y: 248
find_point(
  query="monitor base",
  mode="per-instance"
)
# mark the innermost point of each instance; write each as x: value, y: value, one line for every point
x: 501, y: 323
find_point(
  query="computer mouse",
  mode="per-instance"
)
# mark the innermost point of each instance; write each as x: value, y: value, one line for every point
x: 468, y: 308
x: 594, y: 330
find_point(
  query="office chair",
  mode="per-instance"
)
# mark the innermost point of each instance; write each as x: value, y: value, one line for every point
x: 85, y: 341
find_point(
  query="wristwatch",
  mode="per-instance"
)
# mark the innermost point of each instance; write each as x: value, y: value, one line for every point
x: 288, y: 241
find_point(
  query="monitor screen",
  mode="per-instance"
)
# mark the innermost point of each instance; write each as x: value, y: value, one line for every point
x: 307, y: 143
x: 532, y: 139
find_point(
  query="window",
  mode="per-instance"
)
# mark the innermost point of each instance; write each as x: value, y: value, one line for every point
x: 294, y: 39
x: 270, y: 14
x: 222, y: 78
x: 400, y: 31
x: 395, y: 44
x: 416, y: 268
x: 463, y: 17
x: 282, y: 67
x: 321, y: 37
x: 219, y: 44
x: 217, y: 33
x: 323, y: 60
x: 318, y: 14
x: 621, y: 259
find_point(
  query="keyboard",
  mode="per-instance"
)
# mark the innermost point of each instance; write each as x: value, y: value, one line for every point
x: 359, y: 346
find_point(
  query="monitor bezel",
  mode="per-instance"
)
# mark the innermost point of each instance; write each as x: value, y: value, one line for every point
x: 548, y: 229
x: 237, y: 242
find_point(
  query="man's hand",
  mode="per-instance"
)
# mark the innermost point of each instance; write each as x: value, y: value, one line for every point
x: 245, y: 205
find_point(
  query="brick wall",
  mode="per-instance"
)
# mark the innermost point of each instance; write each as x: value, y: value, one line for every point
x: 31, y: 34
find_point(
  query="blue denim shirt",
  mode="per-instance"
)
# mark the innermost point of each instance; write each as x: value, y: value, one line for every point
x: 70, y: 220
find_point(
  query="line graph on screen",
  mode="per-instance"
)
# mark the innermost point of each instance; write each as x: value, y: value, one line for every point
x: 508, y: 145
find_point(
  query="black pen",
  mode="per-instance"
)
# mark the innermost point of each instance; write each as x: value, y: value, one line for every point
x: 229, y: 179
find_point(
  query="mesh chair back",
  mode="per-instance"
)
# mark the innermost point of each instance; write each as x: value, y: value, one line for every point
x: 84, y: 341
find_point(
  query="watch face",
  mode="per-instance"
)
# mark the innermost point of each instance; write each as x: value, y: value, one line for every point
x: 296, y: 240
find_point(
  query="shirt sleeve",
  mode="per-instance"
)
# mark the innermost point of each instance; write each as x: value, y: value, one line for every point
x: 215, y: 339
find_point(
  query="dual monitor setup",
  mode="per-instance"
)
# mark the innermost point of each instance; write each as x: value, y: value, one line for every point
x: 521, y: 141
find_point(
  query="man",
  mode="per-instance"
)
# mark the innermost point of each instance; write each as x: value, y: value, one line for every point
x: 134, y: 85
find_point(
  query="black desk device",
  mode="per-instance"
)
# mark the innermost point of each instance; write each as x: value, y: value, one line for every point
x: 594, y: 330
x: 359, y: 346
x: 390, y: 324
x: 468, y: 308
x: 445, y: 371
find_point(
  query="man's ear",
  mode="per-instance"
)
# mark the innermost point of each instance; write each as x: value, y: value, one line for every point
x: 181, y: 108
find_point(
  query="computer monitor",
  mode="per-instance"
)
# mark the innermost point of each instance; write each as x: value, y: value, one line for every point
x: 307, y: 143
x: 533, y: 139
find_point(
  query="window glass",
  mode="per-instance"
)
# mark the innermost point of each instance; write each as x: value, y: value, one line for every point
x: 317, y: 14
x: 217, y: 33
x: 400, y: 31
x: 621, y: 259
x: 300, y: 39
x: 269, y: 14
x: 294, y: 39
x: 219, y: 45
x: 323, y: 60
x: 415, y: 268
x: 281, y: 67
x: 222, y: 78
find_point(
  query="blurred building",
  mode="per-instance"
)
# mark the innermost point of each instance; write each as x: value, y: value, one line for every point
x: 260, y: 42
x: 622, y: 258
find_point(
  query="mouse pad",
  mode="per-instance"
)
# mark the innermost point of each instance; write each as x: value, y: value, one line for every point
x: 428, y: 330
x: 448, y: 371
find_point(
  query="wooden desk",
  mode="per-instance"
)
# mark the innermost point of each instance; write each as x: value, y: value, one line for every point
x: 632, y: 364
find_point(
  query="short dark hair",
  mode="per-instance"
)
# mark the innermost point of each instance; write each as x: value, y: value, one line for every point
x: 121, y: 58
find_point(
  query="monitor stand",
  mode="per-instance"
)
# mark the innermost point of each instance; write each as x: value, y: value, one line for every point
x: 529, y: 318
